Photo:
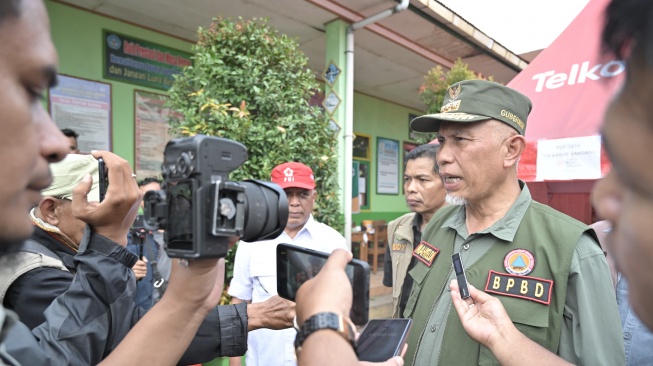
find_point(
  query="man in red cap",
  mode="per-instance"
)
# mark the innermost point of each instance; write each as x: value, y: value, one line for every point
x: 255, y: 267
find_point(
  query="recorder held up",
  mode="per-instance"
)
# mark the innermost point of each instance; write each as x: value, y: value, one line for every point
x: 200, y: 208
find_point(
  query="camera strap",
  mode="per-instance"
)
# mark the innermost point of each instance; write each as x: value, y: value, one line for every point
x: 157, y: 280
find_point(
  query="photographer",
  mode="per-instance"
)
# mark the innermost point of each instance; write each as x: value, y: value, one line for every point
x: 44, y: 267
x: 150, y: 246
x: 55, y: 242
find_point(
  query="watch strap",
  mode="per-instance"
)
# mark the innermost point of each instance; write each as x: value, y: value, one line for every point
x: 324, y: 321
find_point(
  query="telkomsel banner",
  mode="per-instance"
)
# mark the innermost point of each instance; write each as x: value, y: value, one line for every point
x: 140, y: 62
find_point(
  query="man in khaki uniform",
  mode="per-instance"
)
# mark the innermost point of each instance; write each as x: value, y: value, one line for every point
x: 424, y: 196
x: 546, y: 268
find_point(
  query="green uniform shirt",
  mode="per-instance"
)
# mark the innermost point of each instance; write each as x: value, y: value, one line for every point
x: 590, y: 297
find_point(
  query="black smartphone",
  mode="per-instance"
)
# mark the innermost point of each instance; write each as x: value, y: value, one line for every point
x: 103, y: 174
x: 296, y: 265
x: 460, y: 275
x: 383, y: 339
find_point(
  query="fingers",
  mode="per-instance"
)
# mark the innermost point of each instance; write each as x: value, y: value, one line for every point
x: 477, y: 295
x: 338, y: 260
x: 463, y: 306
x: 80, y: 192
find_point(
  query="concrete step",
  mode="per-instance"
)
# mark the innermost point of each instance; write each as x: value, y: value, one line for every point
x: 381, y: 306
x: 376, y: 284
x: 380, y: 297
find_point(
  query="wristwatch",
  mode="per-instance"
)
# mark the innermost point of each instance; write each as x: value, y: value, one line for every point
x: 324, y: 321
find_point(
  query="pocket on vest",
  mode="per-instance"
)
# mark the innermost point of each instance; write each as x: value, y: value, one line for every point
x: 418, y: 273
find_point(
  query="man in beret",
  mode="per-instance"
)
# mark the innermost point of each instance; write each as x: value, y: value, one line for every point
x: 547, y: 268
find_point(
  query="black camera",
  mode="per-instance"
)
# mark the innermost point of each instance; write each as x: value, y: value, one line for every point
x: 200, y: 209
x: 138, y: 231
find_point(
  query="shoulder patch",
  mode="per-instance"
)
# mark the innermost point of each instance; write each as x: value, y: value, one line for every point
x: 523, y: 287
x: 426, y: 253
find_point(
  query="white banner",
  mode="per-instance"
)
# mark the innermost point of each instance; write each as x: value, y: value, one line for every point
x: 570, y: 158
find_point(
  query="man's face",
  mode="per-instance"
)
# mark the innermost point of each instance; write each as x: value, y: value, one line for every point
x: 72, y: 142
x: 470, y: 160
x: 300, y: 206
x: 29, y: 140
x: 423, y: 188
x: 625, y: 195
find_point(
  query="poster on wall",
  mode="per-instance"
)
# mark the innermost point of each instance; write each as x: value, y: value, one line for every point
x: 139, y: 62
x: 387, y: 168
x: 151, y: 132
x: 83, y: 106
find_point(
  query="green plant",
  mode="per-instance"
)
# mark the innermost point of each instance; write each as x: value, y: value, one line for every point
x: 251, y: 84
x: 435, y: 86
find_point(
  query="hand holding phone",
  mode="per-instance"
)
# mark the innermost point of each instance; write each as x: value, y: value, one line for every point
x: 103, y: 174
x: 296, y: 265
x: 382, y: 339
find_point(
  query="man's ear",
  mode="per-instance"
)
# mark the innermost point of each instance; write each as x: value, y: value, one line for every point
x: 47, y: 210
x: 515, y: 145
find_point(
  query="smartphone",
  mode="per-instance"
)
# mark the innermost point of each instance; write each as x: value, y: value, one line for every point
x: 296, y: 265
x: 104, y: 178
x: 383, y: 339
x: 460, y: 275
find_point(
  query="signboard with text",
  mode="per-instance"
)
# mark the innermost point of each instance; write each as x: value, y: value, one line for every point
x: 85, y: 107
x: 139, y: 62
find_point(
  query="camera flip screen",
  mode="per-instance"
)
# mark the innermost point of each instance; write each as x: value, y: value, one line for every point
x: 180, y: 207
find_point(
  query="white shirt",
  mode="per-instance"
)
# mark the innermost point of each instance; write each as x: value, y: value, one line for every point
x: 255, y: 279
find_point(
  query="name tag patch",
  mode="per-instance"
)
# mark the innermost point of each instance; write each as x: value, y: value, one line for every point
x: 523, y: 287
x: 399, y: 247
x: 426, y: 253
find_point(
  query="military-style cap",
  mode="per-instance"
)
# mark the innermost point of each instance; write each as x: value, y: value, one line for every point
x: 478, y: 100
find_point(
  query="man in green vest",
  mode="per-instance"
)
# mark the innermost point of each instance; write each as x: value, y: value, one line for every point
x: 546, y: 268
x: 424, y: 192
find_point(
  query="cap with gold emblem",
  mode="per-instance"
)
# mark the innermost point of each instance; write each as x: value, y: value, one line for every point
x: 475, y: 101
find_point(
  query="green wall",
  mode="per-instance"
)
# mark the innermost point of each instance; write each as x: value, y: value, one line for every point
x: 379, y: 118
x: 77, y: 35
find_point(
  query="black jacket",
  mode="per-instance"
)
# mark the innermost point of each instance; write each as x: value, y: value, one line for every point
x: 223, y: 333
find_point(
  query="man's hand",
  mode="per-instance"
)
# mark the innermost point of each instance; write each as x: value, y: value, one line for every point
x: 273, y: 313
x: 164, y: 333
x: 198, y: 284
x: 329, y: 291
x: 483, y: 316
x: 112, y: 217
x: 140, y: 269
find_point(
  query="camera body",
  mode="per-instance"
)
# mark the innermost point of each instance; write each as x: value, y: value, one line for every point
x: 200, y: 209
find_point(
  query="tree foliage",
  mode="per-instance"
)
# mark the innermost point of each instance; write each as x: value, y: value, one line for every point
x: 251, y: 84
x: 435, y: 85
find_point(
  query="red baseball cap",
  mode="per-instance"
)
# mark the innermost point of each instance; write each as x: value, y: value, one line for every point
x: 293, y: 175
